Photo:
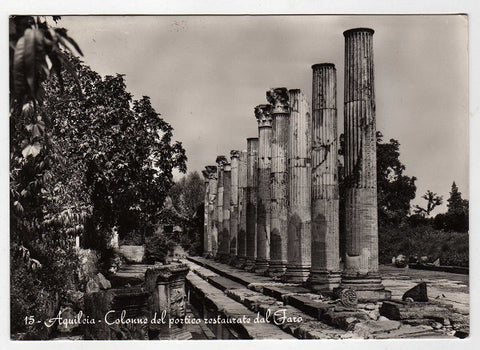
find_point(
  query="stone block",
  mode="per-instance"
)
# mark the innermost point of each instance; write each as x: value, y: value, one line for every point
x: 369, y: 328
x: 417, y: 293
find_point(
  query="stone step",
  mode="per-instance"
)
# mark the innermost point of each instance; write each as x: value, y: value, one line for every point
x: 217, y: 303
x: 321, y: 318
x: 288, y: 318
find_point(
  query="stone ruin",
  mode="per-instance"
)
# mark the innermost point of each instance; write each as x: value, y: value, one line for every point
x: 274, y: 208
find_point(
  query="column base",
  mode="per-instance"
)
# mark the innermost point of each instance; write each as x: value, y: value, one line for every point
x: 324, y: 281
x: 233, y: 260
x: 240, y: 263
x: 207, y: 255
x: 297, y: 273
x: 261, y: 266
x: 367, y: 287
x: 277, y: 268
x: 249, y: 264
x: 223, y: 258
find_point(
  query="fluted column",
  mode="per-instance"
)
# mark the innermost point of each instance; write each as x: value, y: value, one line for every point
x: 278, y: 98
x: 206, y: 225
x: 221, y: 161
x: 299, y: 189
x: 252, y: 188
x: 234, y: 161
x: 212, y: 217
x: 325, y: 272
x: 242, y: 209
x: 264, y: 119
x: 227, y: 190
x: 361, y: 226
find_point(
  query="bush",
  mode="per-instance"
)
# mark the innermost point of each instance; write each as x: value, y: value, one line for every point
x: 157, y: 249
x: 423, y: 240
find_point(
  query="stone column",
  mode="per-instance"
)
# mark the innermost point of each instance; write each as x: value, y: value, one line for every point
x: 212, y: 212
x: 264, y: 119
x: 325, y: 272
x: 361, y: 226
x: 252, y: 188
x: 206, y: 225
x: 221, y: 161
x: 299, y: 189
x: 234, y: 160
x: 242, y: 209
x: 278, y: 98
x: 227, y: 190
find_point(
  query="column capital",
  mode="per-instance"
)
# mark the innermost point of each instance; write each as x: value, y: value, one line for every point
x: 358, y: 30
x: 263, y: 113
x: 235, y: 153
x: 278, y: 98
x: 211, y: 171
x: 221, y: 161
x: 205, y: 175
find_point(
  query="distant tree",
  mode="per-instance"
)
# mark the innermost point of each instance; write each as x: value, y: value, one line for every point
x: 456, y: 205
x: 433, y: 200
x: 457, y: 216
x: 188, y: 197
x: 188, y: 194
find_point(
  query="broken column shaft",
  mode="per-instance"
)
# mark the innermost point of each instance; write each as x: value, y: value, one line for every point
x: 361, y: 226
x: 252, y: 187
x: 278, y: 98
x: 325, y: 271
x: 299, y: 188
x: 264, y: 119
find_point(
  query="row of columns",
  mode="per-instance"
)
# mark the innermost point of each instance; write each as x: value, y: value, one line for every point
x: 274, y: 208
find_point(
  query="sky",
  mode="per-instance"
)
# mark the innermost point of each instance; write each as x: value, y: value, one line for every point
x: 205, y: 75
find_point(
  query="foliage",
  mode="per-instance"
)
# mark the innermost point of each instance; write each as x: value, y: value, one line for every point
x: 42, y: 259
x: 84, y: 157
x: 457, y: 216
x: 423, y: 240
x: 433, y: 200
x: 157, y: 249
x: 188, y: 196
x: 123, y: 151
x: 395, y: 190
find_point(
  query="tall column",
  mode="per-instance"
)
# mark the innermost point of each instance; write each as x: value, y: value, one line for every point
x: 227, y: 190
x: 221, y: 161
x: 252, y: 189
x: 325, y: 272
x: 264, y: 119
x: 299, y: 189
x: 212, y: 210
x: 278, y: 98
x: 234, y: 160
x: 206, y: 225
x: 361, y: 226
x: 242, y: 209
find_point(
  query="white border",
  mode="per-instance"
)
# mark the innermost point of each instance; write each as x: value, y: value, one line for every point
x: 470, y: 7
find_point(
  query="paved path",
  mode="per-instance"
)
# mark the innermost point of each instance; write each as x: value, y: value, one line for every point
x: 445, y: 287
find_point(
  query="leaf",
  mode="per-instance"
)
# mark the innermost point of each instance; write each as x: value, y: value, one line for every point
x: 30, y: 57
x: 62, y: 32
x: 32, y: 150
x: 19, y: 67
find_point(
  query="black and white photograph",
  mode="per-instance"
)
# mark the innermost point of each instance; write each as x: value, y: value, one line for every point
x: 238, y: 176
